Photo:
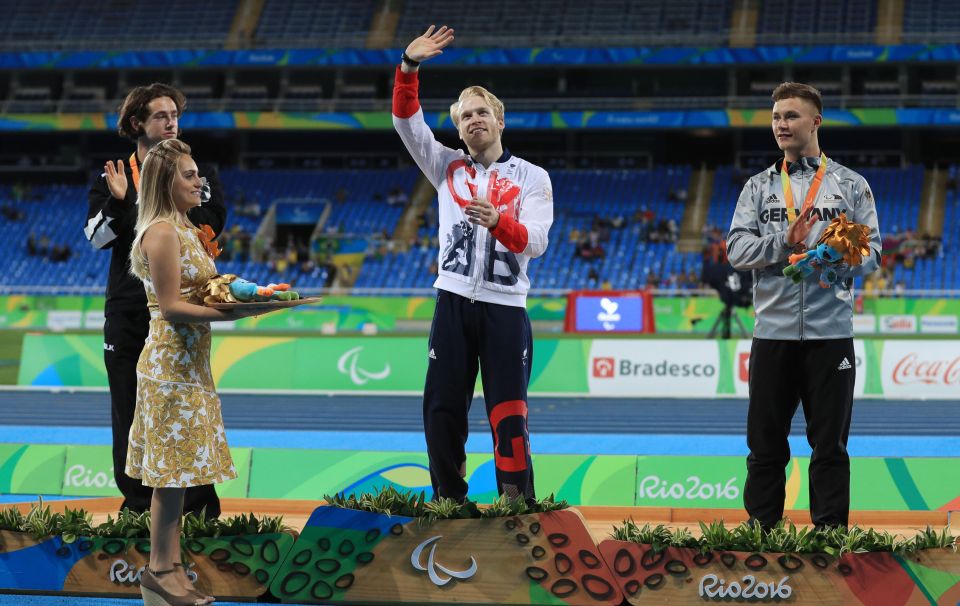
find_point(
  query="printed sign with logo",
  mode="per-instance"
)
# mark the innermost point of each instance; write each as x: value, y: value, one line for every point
x: 741, y: 368
x: 89, y: 472
x: 94, y: 319
x: 653, y: 368
x: 609, y: 314
x: 349, y: 364
x: 291, y: 212
x: 921, y: 369
x: 939, y: 325
x: 64, y: 320
x: 864, y: 324
x: 604, y: 368
x: 898, y: 324
x: 690, y: 481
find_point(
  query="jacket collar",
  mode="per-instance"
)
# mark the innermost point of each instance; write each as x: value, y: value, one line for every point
x: 503, y: 157
x: 804, y: 163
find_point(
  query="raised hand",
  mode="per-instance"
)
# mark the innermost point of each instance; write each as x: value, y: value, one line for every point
x: 800, y: 229
x: 430, y: 44
x: 116, y: 179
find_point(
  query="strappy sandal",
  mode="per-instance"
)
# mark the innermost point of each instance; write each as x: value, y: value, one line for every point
x: 155, y: 595
x: 208, y: 598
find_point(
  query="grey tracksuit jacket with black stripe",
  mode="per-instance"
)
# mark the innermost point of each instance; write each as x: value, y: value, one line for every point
x: 757, y: 241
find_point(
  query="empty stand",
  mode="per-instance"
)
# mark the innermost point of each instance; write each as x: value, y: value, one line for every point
x: 565, y: 22
x: 781, y: 21
x: 115, y: 23
x: 315, y: 23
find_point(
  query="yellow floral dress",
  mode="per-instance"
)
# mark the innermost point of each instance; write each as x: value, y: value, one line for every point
x: 177, y: 437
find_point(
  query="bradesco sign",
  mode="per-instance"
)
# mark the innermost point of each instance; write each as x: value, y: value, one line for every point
x: 921, y: 369
x: 653, y: 368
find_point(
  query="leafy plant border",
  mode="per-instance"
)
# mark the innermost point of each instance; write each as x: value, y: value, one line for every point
x: 390, y: 501
x: 40, y: 522
x: 785, y: 537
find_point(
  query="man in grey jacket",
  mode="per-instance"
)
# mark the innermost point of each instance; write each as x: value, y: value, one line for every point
x: 802, y: 349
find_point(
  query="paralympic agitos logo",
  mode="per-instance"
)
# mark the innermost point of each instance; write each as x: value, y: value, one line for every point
x: 439, y: 574
x: 779, y: 214
x: 349, y: 364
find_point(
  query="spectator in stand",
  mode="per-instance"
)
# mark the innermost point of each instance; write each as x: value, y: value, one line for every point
x: 11, y: 213
x: 33, y: 248
x: 60, y: 253
x: 397, y: 197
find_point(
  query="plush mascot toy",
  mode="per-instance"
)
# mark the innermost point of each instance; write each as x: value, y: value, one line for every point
x: 841, y: 242
x: 230, y: 288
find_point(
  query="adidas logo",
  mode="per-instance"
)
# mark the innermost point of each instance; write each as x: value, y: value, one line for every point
x: 432, y: 355
x: 771, y: 199
x: 845, y: 365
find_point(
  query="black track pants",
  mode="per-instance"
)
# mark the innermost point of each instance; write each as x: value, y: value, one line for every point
x: 819, y: 374
x: 496, y: 339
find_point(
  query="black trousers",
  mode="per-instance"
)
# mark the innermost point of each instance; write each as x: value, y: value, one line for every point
x: 123, y: 338
x: 496, y: 339
x: 819, y: 374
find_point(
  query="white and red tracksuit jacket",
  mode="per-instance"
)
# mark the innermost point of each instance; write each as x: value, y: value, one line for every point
x: 480, y: 264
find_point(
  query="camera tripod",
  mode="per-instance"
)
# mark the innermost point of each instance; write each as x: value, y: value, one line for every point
x: 722, y: 324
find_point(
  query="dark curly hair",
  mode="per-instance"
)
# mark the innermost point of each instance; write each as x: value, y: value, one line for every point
x: 135, y: 106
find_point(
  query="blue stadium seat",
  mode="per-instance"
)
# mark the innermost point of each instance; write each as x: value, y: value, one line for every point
x: 134, y: 24
x: 579, y: 195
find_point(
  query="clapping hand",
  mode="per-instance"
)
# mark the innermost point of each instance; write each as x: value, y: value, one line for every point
x: 116, y: 179
x: 800, y: 229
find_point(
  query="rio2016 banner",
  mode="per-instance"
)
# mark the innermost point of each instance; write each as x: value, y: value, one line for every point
x: 889, y: 484
x: 634, y: 368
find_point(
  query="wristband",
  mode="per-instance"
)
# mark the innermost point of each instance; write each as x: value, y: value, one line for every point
x: 409, y: 61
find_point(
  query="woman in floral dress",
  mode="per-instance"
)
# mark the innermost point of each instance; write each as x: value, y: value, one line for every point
x: 177, y: 438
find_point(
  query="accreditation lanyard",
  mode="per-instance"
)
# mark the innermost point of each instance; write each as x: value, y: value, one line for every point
x: 792, y: 213
x: 135, y: 170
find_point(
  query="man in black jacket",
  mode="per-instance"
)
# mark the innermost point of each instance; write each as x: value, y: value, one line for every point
x: 148, y: 115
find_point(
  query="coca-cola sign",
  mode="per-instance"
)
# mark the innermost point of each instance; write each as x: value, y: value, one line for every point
x: 921, y: 369
x: 914, y: 368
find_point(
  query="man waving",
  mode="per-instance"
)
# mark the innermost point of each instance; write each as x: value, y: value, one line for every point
x: 495, y: 212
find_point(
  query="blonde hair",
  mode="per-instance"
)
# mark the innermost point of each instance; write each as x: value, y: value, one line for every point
x: 476, y: 91
x: 155, y: 201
